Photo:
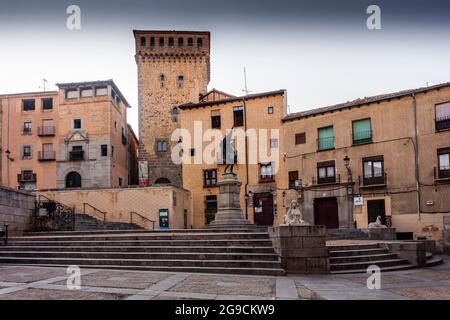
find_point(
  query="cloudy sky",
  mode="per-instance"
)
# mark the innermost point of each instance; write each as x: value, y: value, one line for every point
x: 320, y: 51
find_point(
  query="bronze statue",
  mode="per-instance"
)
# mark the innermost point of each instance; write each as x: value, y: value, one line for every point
x: 228, y: 152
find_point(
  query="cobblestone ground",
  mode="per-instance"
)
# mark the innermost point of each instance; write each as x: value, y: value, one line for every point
x: 39, y: 283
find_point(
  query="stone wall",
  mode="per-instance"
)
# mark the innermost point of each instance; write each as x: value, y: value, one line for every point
x: 16, y: 209
x: 118, y: 203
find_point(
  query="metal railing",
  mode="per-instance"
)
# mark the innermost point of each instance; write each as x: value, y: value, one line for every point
x: 23, y: 177
x: 142, y: 218
x: 96, y: 211
x: 76, y: 155
x: 57, y: 211
x: 326, y: 180
x: 46, y: 131
x: 373, y: 181
x: 361, y: 137
x: 442, y: 123
x: 46, y: 155
x: 442, y: 173
x: 325, y: 143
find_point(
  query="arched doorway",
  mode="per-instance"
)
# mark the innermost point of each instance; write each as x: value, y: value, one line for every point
x: 162, y: 181
x: 73, y: 180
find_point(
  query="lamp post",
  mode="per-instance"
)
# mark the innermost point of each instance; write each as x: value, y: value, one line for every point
x: 350, y: 190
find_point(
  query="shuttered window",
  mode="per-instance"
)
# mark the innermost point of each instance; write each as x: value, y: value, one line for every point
x: 326, y: 138
x: 443, y: 116
x: 362, y: 131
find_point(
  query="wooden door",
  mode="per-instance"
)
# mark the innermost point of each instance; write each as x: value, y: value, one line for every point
x: 263, y: 209
x: 376, y: 208
x: 326, y: 212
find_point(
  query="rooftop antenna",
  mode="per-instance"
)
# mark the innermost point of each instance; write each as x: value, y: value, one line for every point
x: 245, y: 83
x: 44, y: 81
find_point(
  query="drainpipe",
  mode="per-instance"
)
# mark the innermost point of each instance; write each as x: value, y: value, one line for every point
x: 246, y: 158
x: 416, y: 154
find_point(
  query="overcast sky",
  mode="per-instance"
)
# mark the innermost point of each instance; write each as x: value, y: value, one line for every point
x: 320, y: 51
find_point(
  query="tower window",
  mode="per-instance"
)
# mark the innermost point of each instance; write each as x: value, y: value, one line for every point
x: 104, y: 150
x: 152, y: 42
x: 162, y: 79
x: 161, y: 145
x: 174, y: 113
x: 171, y: 42
x: 161, y: 42
x: 180, y: 42
x: 270, y: 110
x: 180, y: 81
x: 199, y: 42
x: 29, y: 105
x: 190, y: 42
x: 143, y: 42
x: 77, y: 123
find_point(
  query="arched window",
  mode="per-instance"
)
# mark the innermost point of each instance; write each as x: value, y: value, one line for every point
x: 174, y: 112
x: 162, y: 79
x: 199, y: 42
x: 162, y: 181
x: 73, y: 180
x: 180, y: 81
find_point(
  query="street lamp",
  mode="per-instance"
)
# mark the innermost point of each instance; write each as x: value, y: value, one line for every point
x: 350, y: 191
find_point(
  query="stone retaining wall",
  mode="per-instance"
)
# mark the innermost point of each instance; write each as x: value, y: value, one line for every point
x: 16, y: 209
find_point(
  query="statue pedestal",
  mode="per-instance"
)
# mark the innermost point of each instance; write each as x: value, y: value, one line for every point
x: 229, y: 212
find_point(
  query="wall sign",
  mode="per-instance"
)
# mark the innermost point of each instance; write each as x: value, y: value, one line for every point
x: 143, y: 173
x: 358, y: 201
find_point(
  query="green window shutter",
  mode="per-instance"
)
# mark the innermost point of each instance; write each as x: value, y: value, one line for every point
x: 362, y: 131
x: 326, y: 138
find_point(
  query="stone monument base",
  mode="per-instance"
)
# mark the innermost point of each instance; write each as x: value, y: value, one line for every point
x: 302, y: 249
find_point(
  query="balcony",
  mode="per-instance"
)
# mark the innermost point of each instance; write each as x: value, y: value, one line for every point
x: 373, y: 182
x: 46, y: 131
x: 27, y: 131
x: 442, y: 173
x: 46, y: 155
x: 362, y: 137
x: 325, y: 143
x: 326, y: 180
x: 26, y: 177
x: 443, y: 123
x: 266, y: 178
x: 76, y: 155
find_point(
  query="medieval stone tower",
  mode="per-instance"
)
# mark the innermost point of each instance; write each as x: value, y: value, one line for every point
x: 173, y: 68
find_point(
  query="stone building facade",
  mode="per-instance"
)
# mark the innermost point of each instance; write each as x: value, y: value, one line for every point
x: 74, y: 137
x: 173, y: 68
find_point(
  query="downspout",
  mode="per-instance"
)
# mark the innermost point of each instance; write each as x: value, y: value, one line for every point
x: 246, y: 157
x: 8, y: 161
x: 416, y: 155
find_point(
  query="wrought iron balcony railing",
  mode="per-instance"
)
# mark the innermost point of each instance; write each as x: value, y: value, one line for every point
x: 443, y: 123
x: 442, y: 173
x: 76, y: 155
x: 326, y: 180
x: 373, y: 181
x: 325, y: 143
x: 361, y: 137
x: 46, y: 131
x: 46, y: 155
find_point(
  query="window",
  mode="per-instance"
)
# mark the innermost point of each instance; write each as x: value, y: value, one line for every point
x: 71, y: 94
x: 300, y: 138
x: 27, y: 128
x: 190, y: 42
x: 192, y: 150
x: 274, y: 143
x: 326, y: 138
x: 270, y: 110
x: 175, y: 112
x: 362, y: 131
x: 47, y: 104
x: 199, y: 42
x: 47, y: 128
x: 26, y: 176
x: 101, y: 91
x: 161, y: 42
x: 293, y: 180
x: 180, y: 42
x: 28, y: 105
x: 77, y: 153
x: 161, y: 145
x: 47, y: 152
x: 326, y: 172
x: 265, y: 172
x: 143, y: 42
x: 87, y: 93
x: 180, y: 81
x: 443, y: 116
x: 373, y: 171
x: 443, y: 171
x: 120, y: 182
x: 77, y: 123
x: 215, y: 121
x: 104, y: 150
x: 238, y: 116
x: 152, y: 42
x: 26, y: 152
x: 210, y: 177
x: 162, y: 79
x: 112, y: 152
x: 171, y: 42
x: 115, y: 125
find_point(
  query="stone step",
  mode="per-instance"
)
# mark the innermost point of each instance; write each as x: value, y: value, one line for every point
x: 433, y: 260
x: 143, y: 262
x: 353, y: 247
x: 365, y: 264
x: 230, y: 249
x: 405, y: 266
x: 359, y: 252
x: 215, y: 270
x: 144, y: 255
x: 147, y: 236
x: 362, y: 258
x: 90, y: 232
x: 163, y: 243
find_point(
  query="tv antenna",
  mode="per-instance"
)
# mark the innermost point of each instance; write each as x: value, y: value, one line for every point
x: 245, y: 83
x: 44, y: 81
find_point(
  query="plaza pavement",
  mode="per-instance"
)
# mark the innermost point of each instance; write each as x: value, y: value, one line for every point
x: 49, y: 283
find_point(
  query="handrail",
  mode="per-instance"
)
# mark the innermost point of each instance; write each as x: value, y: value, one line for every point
x: 95, y: 210
x: 46, y: 198
x: 145, y: 218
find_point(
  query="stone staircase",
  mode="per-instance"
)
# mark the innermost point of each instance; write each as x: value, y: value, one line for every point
x: 242, y: 251
x: 84, y: 222
x: 357, y: 258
